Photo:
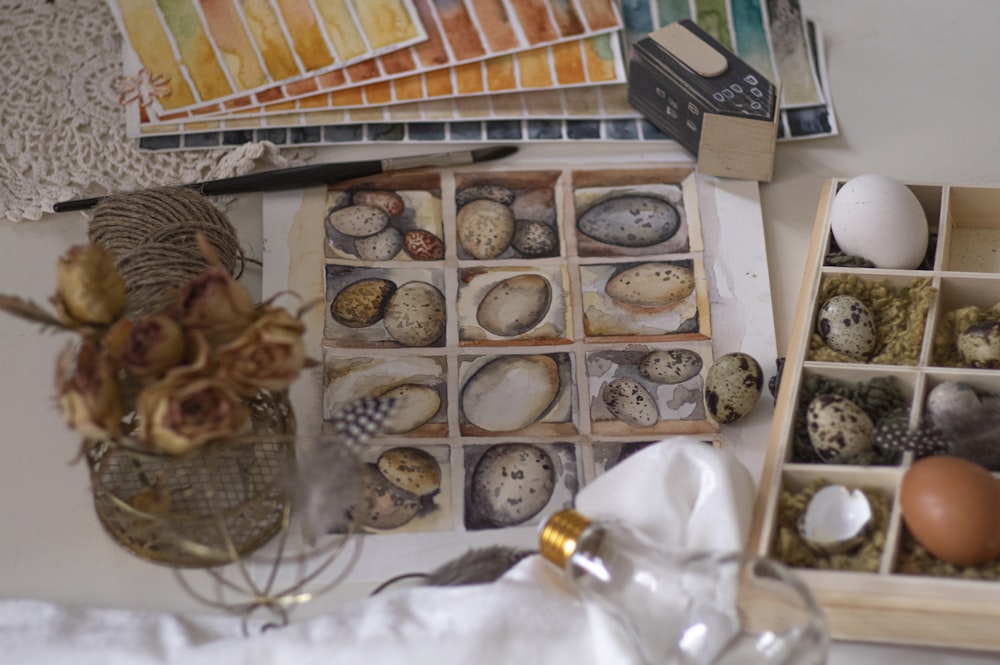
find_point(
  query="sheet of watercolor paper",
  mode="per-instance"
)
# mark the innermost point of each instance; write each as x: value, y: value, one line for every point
x: 459, y: 35
x: 516, y: 382
x: 771, y: 35
x: 200, y: 51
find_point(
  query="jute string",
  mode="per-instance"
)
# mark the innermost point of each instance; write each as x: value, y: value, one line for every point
x: 152, y: 234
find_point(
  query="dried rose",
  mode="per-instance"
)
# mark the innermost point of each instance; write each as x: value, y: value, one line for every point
x: 89, y: 288
x: 88, y: 393
x: 215, y: 303
x: 268, y: 355
x: 183, y: 411
x: 154, y: 345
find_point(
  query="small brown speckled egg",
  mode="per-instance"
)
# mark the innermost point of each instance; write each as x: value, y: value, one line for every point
x: 839, y: 430
x: 383, y: 505
x: 670, y: 366
x: 357, y: 221
x: 361, y: 303
x: 732, y: 387
x: 847, y: 326
x: 631, y: 403
x: 415, y: 314
x: 485, y: 228
x: 411, y: 469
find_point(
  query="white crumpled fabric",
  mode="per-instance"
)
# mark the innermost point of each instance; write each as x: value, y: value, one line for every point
x: 62, y: 129
x: 681, y: 492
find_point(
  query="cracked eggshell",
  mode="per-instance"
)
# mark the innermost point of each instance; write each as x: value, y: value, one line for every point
x: 515, y: 305
x: 732, y: 387
x: 631, y: 403
x: 846, y: 325
x: 880, y: 219
x: 839, y: 429
x: 835, y: 519
x: 979, y: 344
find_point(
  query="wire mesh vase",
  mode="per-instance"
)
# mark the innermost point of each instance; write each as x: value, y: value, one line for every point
x: 205, y: 508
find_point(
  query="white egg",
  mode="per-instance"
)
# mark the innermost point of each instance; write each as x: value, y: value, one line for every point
x: 880, y: 219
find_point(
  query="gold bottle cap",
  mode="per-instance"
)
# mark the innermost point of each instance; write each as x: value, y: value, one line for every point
x: 558, y: 538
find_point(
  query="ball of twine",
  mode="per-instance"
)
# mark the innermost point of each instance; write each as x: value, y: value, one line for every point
x: 152, y: 234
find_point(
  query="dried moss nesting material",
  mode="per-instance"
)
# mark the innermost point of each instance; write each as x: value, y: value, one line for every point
x: 913, y: 559
x: 945, y: 350
x: 900, y: 315
x: 880, y: 397
x: 789, y: 547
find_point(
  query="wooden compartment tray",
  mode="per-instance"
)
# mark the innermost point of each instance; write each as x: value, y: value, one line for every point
x: 889, y: 601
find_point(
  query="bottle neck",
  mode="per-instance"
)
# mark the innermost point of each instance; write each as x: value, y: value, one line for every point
x: 561, y: 534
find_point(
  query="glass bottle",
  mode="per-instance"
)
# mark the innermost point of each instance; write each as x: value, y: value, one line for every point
x: 683, y: 608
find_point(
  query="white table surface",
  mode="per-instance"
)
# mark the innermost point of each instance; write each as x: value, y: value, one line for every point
x: 914, y: 87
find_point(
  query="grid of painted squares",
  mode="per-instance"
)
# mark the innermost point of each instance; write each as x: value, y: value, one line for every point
x: 534, y: 327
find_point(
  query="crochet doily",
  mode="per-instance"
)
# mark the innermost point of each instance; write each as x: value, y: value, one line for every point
x: 63, y: 129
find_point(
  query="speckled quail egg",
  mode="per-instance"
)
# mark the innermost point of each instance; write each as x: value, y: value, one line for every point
x: 979, y: 344
x: 847, y: 325
x: 631, y: 403
x: 732, y: 387
x: 839, y: 430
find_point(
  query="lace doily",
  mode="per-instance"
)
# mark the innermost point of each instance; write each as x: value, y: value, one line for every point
x: 63, y: 129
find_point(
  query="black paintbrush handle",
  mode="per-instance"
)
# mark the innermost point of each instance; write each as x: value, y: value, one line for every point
x: 292, y: 178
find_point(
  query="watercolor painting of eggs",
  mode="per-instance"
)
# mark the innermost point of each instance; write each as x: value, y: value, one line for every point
x: 531, y: 328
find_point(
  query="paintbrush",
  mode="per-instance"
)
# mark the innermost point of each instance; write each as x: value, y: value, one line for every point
x: 320, y: 174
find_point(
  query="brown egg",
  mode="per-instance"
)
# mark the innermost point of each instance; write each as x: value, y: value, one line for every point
x: 952, y: 507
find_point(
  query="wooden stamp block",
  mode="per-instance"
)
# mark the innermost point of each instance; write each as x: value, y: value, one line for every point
x: 700, y: 94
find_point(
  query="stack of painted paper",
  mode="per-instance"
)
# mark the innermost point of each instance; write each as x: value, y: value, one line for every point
x: 204, y: 73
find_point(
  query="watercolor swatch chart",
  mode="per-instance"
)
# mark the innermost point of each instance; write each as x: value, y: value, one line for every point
x: 499, y: 70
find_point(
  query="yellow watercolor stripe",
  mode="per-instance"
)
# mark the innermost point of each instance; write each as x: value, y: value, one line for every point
x: 266, y: 31
x: 340, y: 28
x: 152, y: 46
x: 386, y: 22
x: 569, y: 63
x: 307, y: 38
x: 196, y: 50
x: 500, y: 73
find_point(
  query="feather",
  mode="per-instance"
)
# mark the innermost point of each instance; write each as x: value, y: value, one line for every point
x: 969, y: 421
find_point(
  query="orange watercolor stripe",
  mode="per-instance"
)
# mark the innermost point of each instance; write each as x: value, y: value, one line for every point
x: 438, y: 83
x: 569, y: 63
x: 315, y: 101
x: 535, y: 21
x: 500, y: 73
x: 347, y: 97
x: 500, y: 35
x: 469, y: 78
x: 409, y: 88
x: 431, y: 52
x: 378, y: 93
x: 150, y: 42
x: 600, y: 14
x: 234, y: 44
x: 307, y: 39
x: 535, y: 68
x: 362, y: 71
